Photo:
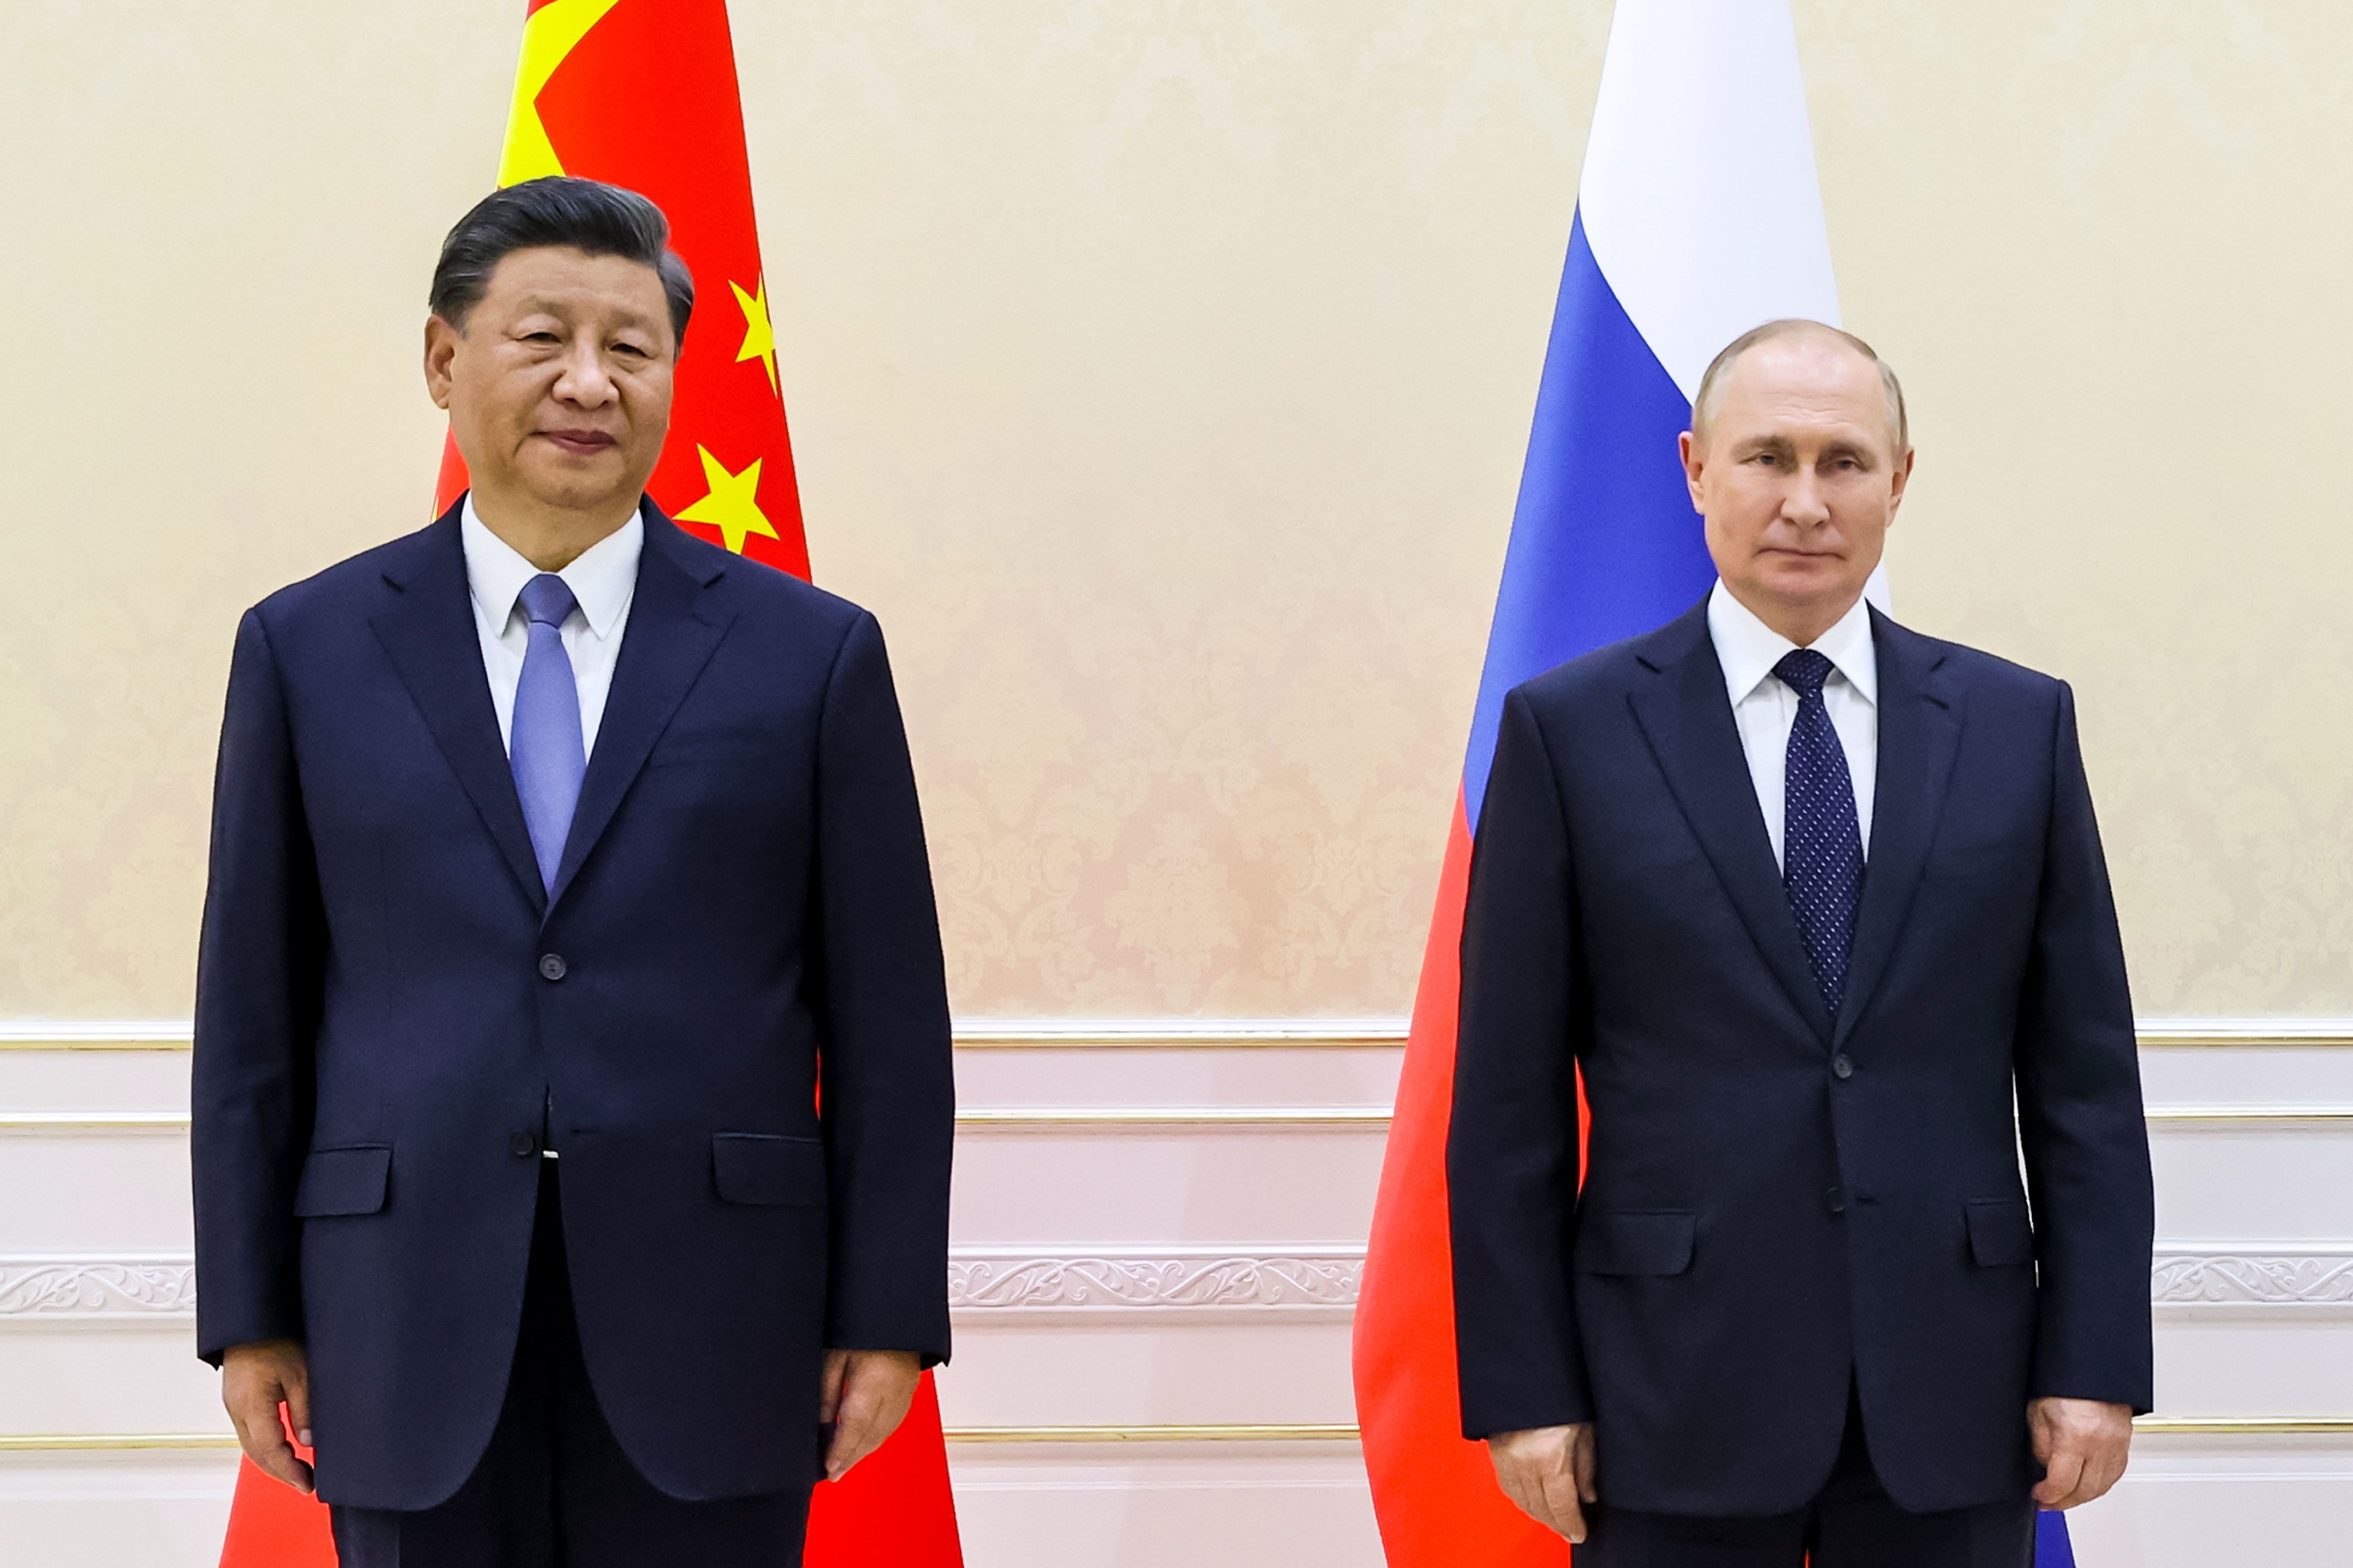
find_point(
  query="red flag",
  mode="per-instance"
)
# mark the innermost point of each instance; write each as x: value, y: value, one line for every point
x: 1434, y: 1493
x: 642, y: 93
x: 271, y: 1525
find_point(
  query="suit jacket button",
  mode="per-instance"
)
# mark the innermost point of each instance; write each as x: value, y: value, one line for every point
x: 551, y: 967
x: 1840, y: 1065
x: 523, y: 1145
x: 1835, y: 1200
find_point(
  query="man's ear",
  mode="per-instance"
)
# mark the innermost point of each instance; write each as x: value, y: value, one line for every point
x: 440, y: 351
x: 1695, y: 460
x: 1902, y: 477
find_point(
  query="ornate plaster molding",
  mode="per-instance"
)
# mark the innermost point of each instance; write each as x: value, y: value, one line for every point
x: 41, y: 1288
x: 1169, y: 1277
x: 46, y: 1288
x: 2317, y: 1278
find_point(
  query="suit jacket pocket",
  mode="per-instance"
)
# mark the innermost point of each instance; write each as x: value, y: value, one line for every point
x: 1657, y: 1242
x: 768, y: 1169
x: 348, y: 1180
x: 2000, y: 1233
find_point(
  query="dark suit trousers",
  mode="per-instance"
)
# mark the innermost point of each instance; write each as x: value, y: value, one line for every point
x: 1852, y: 1524
x: 554, y: 1489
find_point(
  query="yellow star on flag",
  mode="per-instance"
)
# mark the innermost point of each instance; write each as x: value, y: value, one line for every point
x: 759, y: 337
x: 732, y: 507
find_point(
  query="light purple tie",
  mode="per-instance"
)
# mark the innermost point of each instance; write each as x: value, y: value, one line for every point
x: 544, y: 748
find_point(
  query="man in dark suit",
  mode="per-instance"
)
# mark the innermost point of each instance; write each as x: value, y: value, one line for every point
x: 559, y: 860
x: 1817, y: 905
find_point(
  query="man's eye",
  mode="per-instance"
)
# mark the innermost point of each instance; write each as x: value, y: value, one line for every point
x: 539, y: 337
x: 632, y: 350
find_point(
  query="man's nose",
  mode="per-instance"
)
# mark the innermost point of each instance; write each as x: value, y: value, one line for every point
x: 584, y: 381
x: 1803, y: 503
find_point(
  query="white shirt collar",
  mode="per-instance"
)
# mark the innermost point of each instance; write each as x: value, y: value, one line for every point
x: 603, y: 578
x: 1748, y: 650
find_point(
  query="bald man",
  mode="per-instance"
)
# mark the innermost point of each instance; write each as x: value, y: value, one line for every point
x: 1818, y: 906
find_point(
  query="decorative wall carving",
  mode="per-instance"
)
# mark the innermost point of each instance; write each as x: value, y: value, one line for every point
x: 1134, y: 1280
x: 95, y: 1287
x: 2252, y: 1279
x: 43, y: 1289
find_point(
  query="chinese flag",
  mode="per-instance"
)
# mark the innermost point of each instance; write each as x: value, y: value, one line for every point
x: 642, y: 93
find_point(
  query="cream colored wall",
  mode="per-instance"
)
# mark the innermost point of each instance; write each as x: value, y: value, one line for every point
x: 2107, y: 244
x: 1160, y: 372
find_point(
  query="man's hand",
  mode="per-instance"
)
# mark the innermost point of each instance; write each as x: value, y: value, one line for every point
x: 255, y: 1378
x: 866, y: 1396
x: 1549, y: 1473
x: 2082, y: 1445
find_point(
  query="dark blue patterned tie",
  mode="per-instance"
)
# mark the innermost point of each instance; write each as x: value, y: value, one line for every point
x: 1821, y: 847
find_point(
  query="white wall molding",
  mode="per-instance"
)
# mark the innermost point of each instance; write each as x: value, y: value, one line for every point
x: 2252, y: 1276
x: 1188, y: 1278
x: 2226, y: 1032
x: 971, y: 1033
x: 49, y: 1289
x: 983, y: 1034
x: 35, y: 1289
x: 64, y: 1289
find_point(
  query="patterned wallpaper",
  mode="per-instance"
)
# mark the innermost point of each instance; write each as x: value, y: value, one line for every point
x: 1159, y: 373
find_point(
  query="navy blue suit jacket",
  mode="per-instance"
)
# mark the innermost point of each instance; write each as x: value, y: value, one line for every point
x: 392, y: 1013
x: 1776, y: 1201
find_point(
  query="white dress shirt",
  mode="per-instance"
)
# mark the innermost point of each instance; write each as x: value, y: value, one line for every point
x: 604, y: 580
x: 1764, y: 708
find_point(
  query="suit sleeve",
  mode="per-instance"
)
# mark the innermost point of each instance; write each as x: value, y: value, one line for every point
x: 259, y: 968
x: 2081, y: 1120
x: 1512, y: 1147
x: 888, y: 1095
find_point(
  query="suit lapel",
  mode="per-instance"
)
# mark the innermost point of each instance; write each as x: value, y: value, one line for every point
x: 1686, y: 716
x: 429, y: 634
x: 1919, y: 731
x: 668, y: 638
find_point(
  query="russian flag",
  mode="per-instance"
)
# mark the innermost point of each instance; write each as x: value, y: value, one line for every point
x: 1698, y: 218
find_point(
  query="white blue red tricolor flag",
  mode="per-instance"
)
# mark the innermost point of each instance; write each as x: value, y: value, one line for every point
x: 1698, y: 217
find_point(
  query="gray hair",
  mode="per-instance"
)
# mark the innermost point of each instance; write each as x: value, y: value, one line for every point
x: 1711, y: 385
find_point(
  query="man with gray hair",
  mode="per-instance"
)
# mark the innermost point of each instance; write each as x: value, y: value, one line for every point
x: 1815, y: 906
x: 560, y: 859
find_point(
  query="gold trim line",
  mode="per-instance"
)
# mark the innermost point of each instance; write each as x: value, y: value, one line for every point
x: 94, y: 1122
x: 1307, y: 1034
x: 1357, y: 1118
x: 2243, y: 1426
x: 2223, y: 1115
x: 2217, y: 1033
x: 1360, y: 1117
x: 87, y: 1442
x: 177, y: 1044
x: 1284, y: 1432
x: 83, y: 1442
x: 981, y: 1035
x: 1366, y: 1118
